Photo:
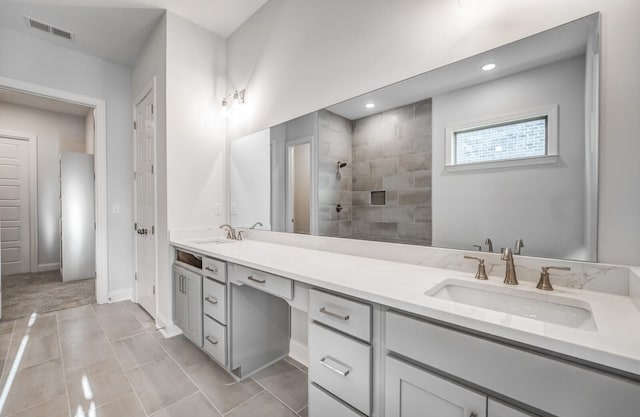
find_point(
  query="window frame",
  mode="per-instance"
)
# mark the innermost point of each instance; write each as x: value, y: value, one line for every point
x: 550, y: 112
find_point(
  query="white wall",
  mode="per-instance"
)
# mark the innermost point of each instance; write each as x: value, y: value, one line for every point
x: 56, y: 132
x: 249, y: 180
x: 30, y: 59
x: 541, y: 204
x: 195, y: 136
x: 295, y: 57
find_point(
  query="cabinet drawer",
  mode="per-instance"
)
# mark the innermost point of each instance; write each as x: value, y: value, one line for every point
x: 274, y: 284
x: 341, y: 365
x: 214, y: 269
x: 346, y: 315
x: 214, y: 300
x: 322, y: 404
x: 555, y: 386
x: 215, y: 340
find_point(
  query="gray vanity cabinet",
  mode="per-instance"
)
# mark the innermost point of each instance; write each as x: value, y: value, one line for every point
x: 187, y: 301
x: 498, y: 409
x: 412, y: 392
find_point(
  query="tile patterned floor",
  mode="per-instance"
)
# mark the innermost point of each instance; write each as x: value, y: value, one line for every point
x: 109, y: 361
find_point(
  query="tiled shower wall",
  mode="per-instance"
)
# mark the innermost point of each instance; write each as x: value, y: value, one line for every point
x: 392, y: 153
x: 334, y: 186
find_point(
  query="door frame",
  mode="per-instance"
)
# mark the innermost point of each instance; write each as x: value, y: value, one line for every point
x: 32, y: 139
x: 149, y: 88
x: 99, y: 105
x: 313, y: 187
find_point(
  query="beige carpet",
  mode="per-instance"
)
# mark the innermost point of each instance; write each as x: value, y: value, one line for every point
x: 23, y: 294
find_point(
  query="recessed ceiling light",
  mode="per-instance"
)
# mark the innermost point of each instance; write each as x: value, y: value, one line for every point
x: 369, y: 105
x: 489, y: 66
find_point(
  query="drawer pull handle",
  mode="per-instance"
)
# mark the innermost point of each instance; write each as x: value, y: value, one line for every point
x: 211, y: 300
x: 211, y: 340
x: 215, y: 271
x: 334, y: 315
x: 259, y: 281
x: 335, y: 369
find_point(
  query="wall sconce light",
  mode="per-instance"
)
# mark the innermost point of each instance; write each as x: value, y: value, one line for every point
x: 232, y: 102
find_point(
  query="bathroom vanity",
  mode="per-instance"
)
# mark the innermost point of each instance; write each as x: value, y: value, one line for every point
x: 385, y: 340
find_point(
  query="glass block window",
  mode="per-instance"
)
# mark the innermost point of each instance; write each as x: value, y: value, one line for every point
x: 512, y: 140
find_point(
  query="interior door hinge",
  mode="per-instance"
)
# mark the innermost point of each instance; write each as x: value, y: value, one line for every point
x: 152, y: 109
x: 135, y: 226
x: 135, y: 125
x: 152, y: 169
x: 154, y: 290
x: 135, y: 276
x: 95, y: 226
x: 153, y: 230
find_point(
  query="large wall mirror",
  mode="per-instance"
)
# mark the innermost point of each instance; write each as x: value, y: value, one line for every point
x: 496, y: 150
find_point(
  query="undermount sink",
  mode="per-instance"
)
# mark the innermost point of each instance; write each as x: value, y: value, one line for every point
x: 207, y: 240
x: 543, y: 307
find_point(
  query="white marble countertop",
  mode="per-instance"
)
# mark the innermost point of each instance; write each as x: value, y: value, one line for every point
x: 402, y: 286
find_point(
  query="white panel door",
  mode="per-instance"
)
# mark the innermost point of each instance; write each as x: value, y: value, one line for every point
x: 145, y: 213
x: 14, y: 206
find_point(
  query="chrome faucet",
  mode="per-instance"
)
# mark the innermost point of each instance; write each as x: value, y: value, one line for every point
x: 231, y: 232
x: 510, y: 270
x: 489, y: 243
x: 256, y: 224
x: 518, y: 247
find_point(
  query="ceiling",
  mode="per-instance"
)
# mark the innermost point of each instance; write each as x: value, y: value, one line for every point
x: 553, y: 45
x: 42, y: 103
x: 118, y: 29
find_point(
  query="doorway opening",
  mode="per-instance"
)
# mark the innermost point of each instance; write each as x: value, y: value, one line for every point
x: 299, y: 186
x: 51, y: 231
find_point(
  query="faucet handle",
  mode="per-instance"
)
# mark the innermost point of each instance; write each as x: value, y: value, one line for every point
x: 479, y: 247
x: 518, y: 247
x: 545, y: 283
x: 481, y: 273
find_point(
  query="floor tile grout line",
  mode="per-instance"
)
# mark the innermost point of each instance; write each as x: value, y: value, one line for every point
x: 293, y: 362
x: 6, y: 358
x: 190, y: 379
x: 245, y: 401
x: 144, y: 410
x: 181, y: 399
x: 276, y: 397
x: 64, y: 373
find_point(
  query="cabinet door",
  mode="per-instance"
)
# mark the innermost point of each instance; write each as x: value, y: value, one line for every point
x: 193, y: 283
x: 179, y: 299
x: 498, y: 409
x: 414, y: 392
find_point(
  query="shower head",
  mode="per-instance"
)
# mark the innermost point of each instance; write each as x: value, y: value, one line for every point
x: 341, y: 164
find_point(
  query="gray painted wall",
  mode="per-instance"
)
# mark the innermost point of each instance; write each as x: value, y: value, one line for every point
x: 542, y: 204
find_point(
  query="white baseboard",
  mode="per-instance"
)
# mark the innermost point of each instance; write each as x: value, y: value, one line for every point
x: 120, y: 295
x: 166, y: 327
x: 299, y: 352
x: 49, y: 267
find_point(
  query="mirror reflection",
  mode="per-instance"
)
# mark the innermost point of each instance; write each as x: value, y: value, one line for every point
x: 497, y: 150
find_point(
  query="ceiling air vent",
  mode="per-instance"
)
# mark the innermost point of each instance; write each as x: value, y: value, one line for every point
x: 45, y: 27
